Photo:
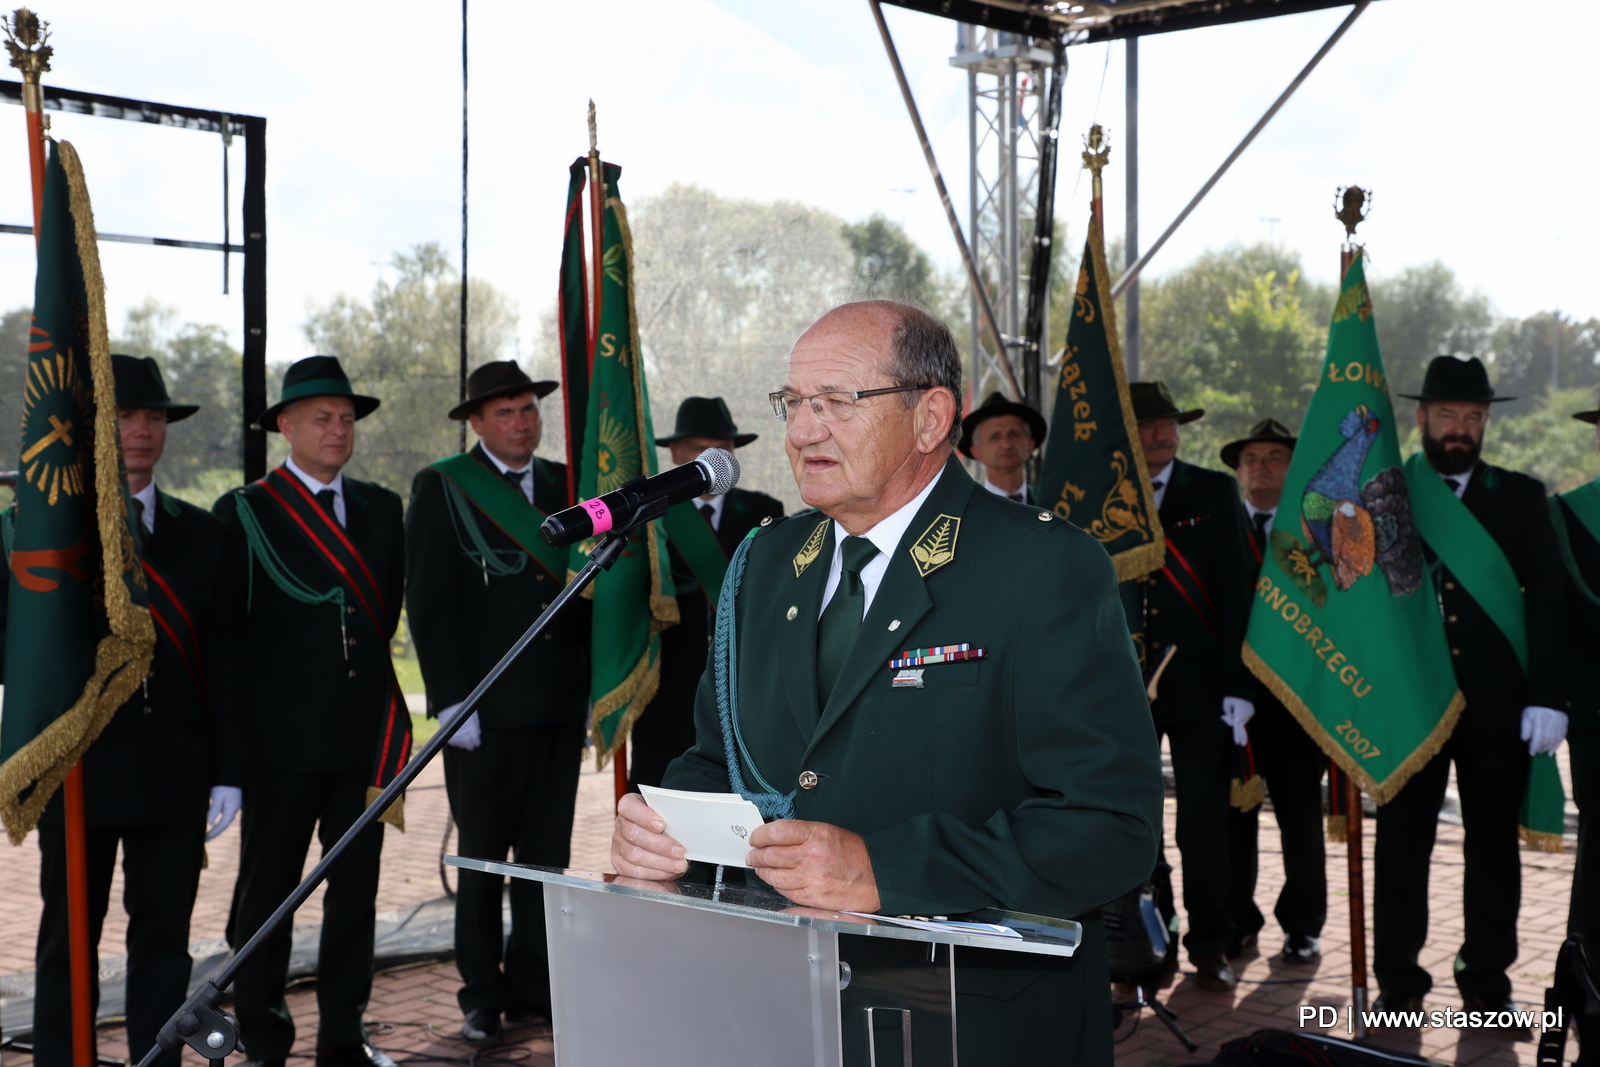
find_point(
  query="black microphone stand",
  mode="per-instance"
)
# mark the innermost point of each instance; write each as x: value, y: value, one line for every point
x: 214, y: 1033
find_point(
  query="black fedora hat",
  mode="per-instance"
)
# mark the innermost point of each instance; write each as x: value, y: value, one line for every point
x: 706, y: 416
x: 495, y: 380
x: 315, y: 376
x: 995, y: 405
x: 1153, y: 400
x: 1454, y: 378
x: 139, y: 385
x: 1269, y: 431
x: 1591, y: 417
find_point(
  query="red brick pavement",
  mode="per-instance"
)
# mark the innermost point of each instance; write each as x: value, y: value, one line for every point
x: 418, y: 1008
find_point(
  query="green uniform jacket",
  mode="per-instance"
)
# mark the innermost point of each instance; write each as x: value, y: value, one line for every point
x: 176, y: 737
x: 1026, y: 780
x: 305, y: 706
x: 463, y: 621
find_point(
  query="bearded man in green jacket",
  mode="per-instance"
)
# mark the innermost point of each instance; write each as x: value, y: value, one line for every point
x: 1021, y: 773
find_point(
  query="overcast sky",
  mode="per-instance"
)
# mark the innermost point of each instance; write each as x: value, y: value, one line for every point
x: 1469, y: 119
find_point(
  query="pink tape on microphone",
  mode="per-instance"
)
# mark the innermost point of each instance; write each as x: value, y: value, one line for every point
x: 599, y: 514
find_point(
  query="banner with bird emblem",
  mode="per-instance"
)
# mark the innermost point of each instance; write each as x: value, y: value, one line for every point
x: 78, y: 633
x: 1345, y: 628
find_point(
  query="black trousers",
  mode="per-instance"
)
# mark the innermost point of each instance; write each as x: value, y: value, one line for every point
x: 281, y: 811
x: 161, y: 874
x: 1293, y: 766
x: 1202, y: 753
x: 1583, y: 915
x: 1491, y: 773
x: 515, y: 793
x: 665, y: 730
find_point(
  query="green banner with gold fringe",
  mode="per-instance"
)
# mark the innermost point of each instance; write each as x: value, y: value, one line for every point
x: 633, y: 601
x: 78, y: 634
x: 1345, y: 628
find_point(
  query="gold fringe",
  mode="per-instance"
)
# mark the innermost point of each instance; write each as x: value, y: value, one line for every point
x: 633, y: 696
x: 1337, y: 830
x: 1540, y: 841
x: 1247, y: 795
x: 123, y: 657
x: 1380, y: 792
x: 396, y: 814
x: 1148, y: 557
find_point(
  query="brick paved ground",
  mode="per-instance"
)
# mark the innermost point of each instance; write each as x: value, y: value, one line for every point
x: 417, y: 1004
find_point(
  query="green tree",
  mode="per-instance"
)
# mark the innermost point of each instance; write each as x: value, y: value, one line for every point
x: 1525, y: 349
x: 1421, y: 312
x: 889, y: 264
x: 402, y: 345
x: 204, y: 453
x: 14, y: 326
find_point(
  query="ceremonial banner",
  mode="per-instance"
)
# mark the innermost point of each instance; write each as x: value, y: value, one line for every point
x: 1093, y: 472
x: 631, y: 607
x: 1345, y: 629
x: 78, y: 634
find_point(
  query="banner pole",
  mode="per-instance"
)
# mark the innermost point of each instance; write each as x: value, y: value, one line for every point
x: 26, y: 35
x: 1358, y: 908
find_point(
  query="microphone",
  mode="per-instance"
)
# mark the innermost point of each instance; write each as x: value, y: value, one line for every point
x: 712, y: 472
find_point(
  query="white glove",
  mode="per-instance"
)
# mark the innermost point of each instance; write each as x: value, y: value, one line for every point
x: 1237, y: 712
x: 226, y: 800
x: 1543, y: 728
x: 470, y: 736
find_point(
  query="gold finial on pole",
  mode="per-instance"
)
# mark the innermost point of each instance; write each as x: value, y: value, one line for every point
x: 26, y: 34
x: 594, y: 134
x: 1097, y: 152
x: 1352, y: 204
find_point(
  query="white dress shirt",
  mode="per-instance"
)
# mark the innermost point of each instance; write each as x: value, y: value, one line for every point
x: 1270, y: 513
x: 337, y: 485
x: 147, y: 498
x: 716, y: 503
x: 1164, y: 476
x: 886, y: 536
x: 1461, y: 481
x: 526, y: 473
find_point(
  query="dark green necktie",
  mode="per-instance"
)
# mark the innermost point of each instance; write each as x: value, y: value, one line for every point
x: 515, y: 480
x: 140, y: 534
x: 327, y: 497
x: 841, y: 619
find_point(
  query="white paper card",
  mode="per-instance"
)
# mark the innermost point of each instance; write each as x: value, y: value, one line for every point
x: 711, y: 827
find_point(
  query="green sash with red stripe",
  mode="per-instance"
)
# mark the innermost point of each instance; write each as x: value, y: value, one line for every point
x: 283, y: 496
x: 1186, y: 580
x: 175, y: 626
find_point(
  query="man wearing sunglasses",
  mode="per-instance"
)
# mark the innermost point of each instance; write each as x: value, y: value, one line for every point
x: 1015, y: 768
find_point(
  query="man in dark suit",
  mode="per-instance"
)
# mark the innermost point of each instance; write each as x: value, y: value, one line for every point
x: 477, y: 575
x: 1284, y: 754
x: 316, y: 565
x: 1197, y: 608
x: 1019, y: 772
x: 167, y: 751
x: 1003, y: 435
x: 1510, y: 712
x: 666, y: 728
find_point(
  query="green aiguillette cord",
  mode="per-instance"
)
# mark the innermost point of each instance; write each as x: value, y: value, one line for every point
x: 505, y: 507
x: 1462, y: 544
x: 692, y: 536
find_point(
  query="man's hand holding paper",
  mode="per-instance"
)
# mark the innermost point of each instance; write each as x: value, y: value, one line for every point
x: 640, y: 847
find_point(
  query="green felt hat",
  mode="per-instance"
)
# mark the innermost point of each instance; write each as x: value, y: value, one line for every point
x: 1153, y: 400
x: 994, y: 406
x: 1270, y: 431
x: 139, y: 385
x: 315, y: 376
x: 495, y: 380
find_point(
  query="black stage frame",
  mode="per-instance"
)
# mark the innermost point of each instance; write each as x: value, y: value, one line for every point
x: 253, y: 128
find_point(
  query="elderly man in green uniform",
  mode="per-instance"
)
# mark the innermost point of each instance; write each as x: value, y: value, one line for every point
x: 1196, y: 609
x: 1576, y: 515
x: 166, y: 752
x: 316, y: 564
x: 701, y: 535
x: 1019, y: 773
x: 1002, y: 435
x: 1285, y: 756
x: 1489, y: 542
x: 477, y: 575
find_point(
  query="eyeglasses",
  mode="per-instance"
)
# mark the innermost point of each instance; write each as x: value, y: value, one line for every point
x: 833, y: 406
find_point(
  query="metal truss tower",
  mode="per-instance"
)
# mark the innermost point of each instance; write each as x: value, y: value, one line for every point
x: 1005, y: 125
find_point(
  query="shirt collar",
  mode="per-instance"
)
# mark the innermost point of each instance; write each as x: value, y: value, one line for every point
x: 1461, y: 480
x: 716, y: 503
x: 337, y: 485
x: 887, y: 534
x: 147, y: 497
x: 1271, y: 513
x: 1021, y: 490
x: 504, y: 467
